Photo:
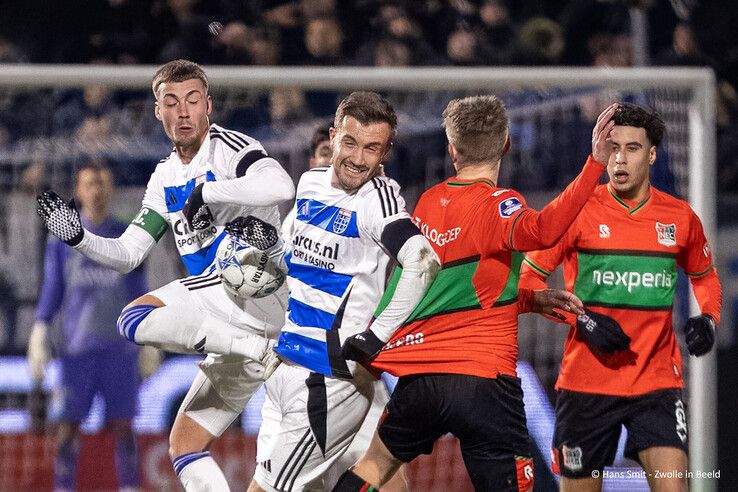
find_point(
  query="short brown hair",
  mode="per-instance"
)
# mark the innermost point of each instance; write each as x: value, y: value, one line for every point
x: 366, y: 107
x: 476, y: 127
x: 178, y: 71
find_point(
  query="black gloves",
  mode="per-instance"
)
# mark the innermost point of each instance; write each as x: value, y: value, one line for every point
x: 700, y: 331
x: 602, y: 332
x: 61, y: 219
x: 254, y: 231
x: 362, y: 347
x: 195, y: 211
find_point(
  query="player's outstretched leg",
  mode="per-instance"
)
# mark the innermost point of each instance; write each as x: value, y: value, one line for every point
x: 185, y: 329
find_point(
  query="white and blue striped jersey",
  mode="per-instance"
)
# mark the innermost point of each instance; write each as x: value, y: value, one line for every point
x: 337, y: 266
x: 225, y: 154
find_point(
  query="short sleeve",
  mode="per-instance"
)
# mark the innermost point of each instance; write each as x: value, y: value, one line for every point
x: 696, y: 258
x: 379, y: 203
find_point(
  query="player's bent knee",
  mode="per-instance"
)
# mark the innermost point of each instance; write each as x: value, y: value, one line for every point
x: 146, y: 299
x: 131, y: 317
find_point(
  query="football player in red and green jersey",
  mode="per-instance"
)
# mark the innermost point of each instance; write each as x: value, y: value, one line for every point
x: 456, y: 354
x: 621, y: 361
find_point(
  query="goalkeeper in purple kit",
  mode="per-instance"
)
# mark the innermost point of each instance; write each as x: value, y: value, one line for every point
x: 94, y: 360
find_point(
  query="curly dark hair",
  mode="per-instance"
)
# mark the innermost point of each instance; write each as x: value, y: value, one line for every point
x: 633, y: 115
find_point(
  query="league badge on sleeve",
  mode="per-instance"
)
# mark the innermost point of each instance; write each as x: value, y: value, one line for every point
x: 667, y: 234
x: 509, y: 206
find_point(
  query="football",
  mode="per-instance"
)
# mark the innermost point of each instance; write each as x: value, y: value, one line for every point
x: 246, y: 271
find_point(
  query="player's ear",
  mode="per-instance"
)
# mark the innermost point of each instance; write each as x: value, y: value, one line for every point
x: 387, y: 152
x: 157, y: 110
x: 210, y: 104
x: 452, y: 152
x: 652, y: 155
x: 506, y: 148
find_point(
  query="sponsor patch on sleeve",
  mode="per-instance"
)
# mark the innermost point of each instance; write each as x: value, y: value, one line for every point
x: 509, y: 206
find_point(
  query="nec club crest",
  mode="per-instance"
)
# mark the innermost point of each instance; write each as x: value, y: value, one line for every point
x: 342, y: 220
x: 666, y: 234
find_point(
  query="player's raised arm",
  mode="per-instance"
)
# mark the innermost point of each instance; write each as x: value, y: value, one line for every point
x: 123, y: 253
x: 533, y: 230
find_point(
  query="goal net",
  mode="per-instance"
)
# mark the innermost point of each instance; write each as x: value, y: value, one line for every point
x: 54, y: 118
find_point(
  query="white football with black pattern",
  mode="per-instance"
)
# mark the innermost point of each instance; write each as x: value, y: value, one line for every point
x: 246, y: 271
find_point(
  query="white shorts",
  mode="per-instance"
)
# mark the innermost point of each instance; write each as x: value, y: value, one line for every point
x: 222, y: 388
x: 225, y: 383
x: 308, y: 422
x: 362, y: 440
x: 264, y: 316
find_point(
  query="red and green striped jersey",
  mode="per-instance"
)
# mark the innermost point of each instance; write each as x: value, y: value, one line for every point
x: 467, y: 323
x: 621, y: 260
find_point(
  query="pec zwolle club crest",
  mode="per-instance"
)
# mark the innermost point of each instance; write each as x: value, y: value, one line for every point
x: 667, y: 234
x: 341, y: 221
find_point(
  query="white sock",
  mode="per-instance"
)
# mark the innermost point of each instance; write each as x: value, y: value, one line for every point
x: 185, y: 329
x: 199, y: 472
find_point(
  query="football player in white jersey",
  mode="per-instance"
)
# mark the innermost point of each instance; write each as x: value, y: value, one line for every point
x: 212, y: 176
x: 350, y: 224
x: 321, y: 157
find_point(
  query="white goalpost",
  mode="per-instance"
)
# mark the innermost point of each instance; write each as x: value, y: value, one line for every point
x: 697, y: 83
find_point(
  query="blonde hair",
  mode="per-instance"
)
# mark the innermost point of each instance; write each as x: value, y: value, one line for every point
x: 178, y: 71
x: 476, y: 127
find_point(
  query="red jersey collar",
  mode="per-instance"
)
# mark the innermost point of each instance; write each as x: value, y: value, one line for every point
x: 630, y: 206
x: 466, y: 182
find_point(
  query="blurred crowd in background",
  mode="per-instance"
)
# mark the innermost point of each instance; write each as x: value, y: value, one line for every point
x: 45, y: 134
x: 388, y: 33
x: 355, y: 32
